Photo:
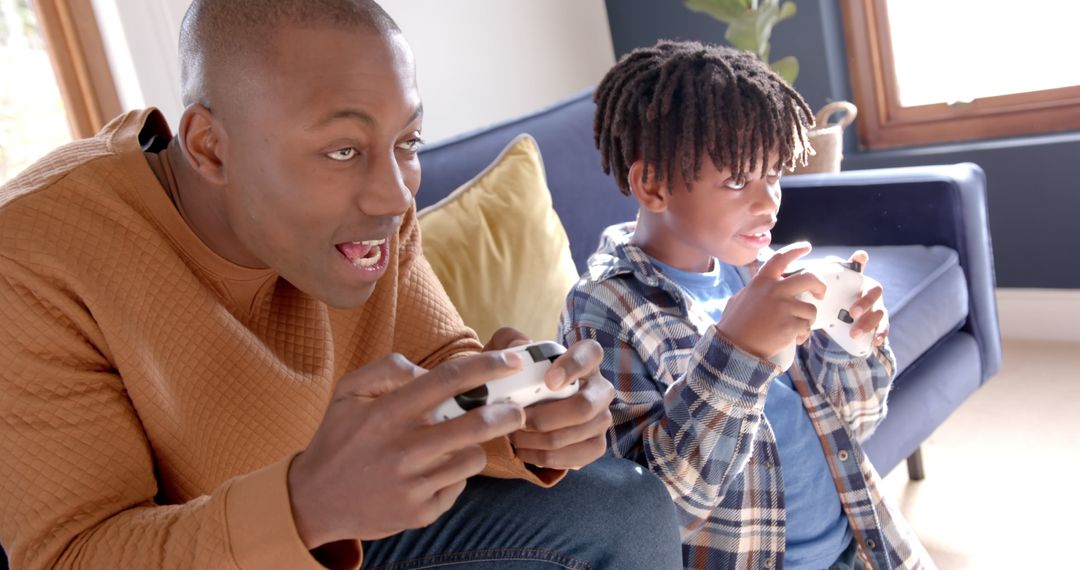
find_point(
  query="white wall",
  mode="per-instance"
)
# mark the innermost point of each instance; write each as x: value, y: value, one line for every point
x: 479, y: 61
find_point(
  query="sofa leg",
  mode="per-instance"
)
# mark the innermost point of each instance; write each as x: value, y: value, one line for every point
x: 915, y: 470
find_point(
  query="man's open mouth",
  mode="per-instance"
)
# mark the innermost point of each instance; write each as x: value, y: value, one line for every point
x: 362, y: 253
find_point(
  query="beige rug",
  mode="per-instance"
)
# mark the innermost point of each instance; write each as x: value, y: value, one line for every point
x: 1002, y: 487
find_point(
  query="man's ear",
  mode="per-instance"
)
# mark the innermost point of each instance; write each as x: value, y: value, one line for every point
x: 201, y: 138
x: 651, y: 193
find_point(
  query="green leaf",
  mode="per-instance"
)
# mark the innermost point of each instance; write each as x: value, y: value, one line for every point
x: 787, y: 67
x: 723, y: 10
x: 787, y: 10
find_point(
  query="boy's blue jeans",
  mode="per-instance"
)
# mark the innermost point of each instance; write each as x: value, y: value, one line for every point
x: 611, y: 514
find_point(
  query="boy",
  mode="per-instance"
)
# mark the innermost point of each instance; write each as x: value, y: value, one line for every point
x: 764, y: 464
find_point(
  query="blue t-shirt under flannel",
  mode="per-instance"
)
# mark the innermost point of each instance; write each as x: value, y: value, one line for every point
x: 817, y: 531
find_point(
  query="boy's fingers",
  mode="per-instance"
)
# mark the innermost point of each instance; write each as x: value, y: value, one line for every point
x: 776, y: 265
x: 861, y: 257
x: 866, y: 323
x: 867, y: 302
x: 804, y: 283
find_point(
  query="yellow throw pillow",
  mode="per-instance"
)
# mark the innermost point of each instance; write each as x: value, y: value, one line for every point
x: 499, y: 249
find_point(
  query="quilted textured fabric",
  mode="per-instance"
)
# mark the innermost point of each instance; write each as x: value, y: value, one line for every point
x: 152, y: 394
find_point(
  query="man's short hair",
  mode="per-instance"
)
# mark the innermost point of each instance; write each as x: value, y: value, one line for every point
x: 216, y: 36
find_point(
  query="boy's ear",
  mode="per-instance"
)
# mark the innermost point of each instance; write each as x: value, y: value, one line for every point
x: 651, y: 193
x: 201, y: 138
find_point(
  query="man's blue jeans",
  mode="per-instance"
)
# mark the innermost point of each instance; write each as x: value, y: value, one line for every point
x: 611, y: 514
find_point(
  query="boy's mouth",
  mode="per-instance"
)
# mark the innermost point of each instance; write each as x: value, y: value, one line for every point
x: 365, y: 253
x: 757, y: 239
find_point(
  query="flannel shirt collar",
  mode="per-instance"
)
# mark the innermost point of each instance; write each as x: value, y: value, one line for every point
x: 617, y: 255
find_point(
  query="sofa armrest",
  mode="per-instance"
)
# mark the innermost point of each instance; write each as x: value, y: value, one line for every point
x: 922, y: 205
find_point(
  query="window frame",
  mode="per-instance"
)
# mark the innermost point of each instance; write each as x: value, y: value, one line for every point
x: 884, y: 123
x: 81, y: 66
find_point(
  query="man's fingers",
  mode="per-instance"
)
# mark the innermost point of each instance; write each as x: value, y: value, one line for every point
x: 594, y: 396
x: 378, y: 378
x: 439, y: 503
x: 453, y: 468
x: 454, y: 377
x: 572, y: 457
x: 776, y: 265
x: 506, y: 337
x: 581, y: 359
x: 565, y: 437
x: 475, y: 427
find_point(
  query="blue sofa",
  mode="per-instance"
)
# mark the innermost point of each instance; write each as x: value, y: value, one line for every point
x: 924, y: 227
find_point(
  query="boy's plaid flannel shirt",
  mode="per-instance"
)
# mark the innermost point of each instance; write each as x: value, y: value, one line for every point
x: 689, y: 406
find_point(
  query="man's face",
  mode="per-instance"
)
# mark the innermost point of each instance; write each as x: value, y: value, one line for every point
x: 720, y: 217
x: 320, y: 158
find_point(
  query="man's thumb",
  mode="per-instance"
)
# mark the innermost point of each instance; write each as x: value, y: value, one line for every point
x: 378, y: 378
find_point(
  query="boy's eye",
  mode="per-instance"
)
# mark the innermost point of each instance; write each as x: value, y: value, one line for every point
x: 342, y: 154
x: 735, y: 184
x: 411, y: 145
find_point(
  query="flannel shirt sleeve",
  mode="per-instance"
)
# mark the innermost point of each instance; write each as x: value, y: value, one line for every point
x: 857, y: 387
x: 697, y: 434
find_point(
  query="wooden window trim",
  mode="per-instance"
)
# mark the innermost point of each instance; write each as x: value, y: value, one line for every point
x: 79, y: 61
x: 884, y: 123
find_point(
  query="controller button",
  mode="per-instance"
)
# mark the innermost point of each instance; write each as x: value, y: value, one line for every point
x: 473, y: 398
x: 845, y: 317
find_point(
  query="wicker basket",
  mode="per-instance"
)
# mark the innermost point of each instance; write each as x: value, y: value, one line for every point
x: 827, y: 139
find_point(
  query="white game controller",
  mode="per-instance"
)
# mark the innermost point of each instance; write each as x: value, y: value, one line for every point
x: 844, y: 284
x: 526, y: 387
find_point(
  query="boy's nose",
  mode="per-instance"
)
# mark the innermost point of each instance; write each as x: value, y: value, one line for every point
x: 766, y: 198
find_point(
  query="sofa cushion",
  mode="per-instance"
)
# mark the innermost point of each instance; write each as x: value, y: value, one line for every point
x: 586, y: 199
x: 925, y: 293
x: 498, y: 246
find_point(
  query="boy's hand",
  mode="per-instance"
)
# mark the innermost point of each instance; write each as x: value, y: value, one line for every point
x: 764, y: 318
x: 869, y: 311
x: 569, y: 433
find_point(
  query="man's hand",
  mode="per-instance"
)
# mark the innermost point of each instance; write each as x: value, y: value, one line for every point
x: 377, y: 465
x: 569, y: 433
x: 869, y: 311
x: 765, y: 317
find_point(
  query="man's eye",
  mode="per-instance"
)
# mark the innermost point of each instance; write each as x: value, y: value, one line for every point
x: 735, y: 184
x: 343, y: 154
x: 411, y: 145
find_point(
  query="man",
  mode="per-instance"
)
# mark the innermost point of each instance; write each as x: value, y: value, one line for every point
x: 222, y: 349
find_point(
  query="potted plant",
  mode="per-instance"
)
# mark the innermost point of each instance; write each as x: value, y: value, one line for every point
x: 749, y: 26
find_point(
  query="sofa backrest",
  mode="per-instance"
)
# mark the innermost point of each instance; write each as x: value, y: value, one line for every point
x: 586, y: 199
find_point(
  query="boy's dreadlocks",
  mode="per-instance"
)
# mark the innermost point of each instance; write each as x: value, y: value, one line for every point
x: 677, y: 101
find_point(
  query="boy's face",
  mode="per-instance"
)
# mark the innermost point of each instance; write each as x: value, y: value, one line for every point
x: 321, y: 159
x: 720, y: 217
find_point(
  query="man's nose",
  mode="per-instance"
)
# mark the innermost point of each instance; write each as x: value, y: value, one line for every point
x: 385, y: 192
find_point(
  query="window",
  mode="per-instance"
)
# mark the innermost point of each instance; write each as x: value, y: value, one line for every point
x: 57, y: 84
x: 927, y: 71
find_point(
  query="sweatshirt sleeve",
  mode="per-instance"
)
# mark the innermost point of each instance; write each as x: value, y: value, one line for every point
x: 430, y: 331
x: 77, y: 482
